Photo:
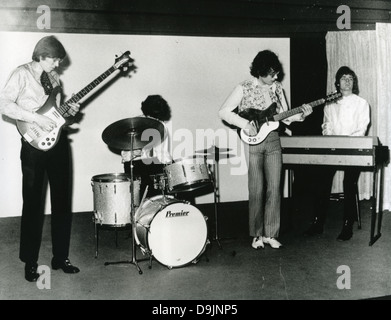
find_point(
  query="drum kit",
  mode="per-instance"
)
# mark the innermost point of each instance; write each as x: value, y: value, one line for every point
x: 170, y: 230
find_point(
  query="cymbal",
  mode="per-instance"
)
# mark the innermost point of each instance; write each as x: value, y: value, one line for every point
x: 219, y: 156
x: 214, y: 149
x: 145, y: 131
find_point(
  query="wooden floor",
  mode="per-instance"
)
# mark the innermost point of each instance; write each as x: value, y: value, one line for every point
x: 304, y: 269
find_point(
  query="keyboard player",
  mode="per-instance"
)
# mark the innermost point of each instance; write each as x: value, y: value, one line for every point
x: 348, y: 116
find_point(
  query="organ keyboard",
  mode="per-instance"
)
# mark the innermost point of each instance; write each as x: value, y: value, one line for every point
x: 332, y: 150
x: 342, y: 151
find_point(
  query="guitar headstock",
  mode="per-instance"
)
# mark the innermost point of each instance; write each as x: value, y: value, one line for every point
x: 123, y: 62
x: 333, y: 96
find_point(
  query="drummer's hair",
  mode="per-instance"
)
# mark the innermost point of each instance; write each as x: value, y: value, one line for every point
x: 156, y: 107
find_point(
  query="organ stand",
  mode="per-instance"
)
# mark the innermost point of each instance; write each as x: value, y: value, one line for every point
x: 366, y: 153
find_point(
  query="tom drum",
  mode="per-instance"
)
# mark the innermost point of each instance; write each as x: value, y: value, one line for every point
x: 112, y: 198
x: 187, y: 174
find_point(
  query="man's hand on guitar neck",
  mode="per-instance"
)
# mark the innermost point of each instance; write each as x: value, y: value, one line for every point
x: 306, y: 109
x: 73, y: 109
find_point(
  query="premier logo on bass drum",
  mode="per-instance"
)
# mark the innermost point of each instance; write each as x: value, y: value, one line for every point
x: 181, y: 213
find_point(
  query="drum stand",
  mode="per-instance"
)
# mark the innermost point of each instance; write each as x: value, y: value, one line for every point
x: 216, y: 199
x: 132, y: 215
x: 215, y: 152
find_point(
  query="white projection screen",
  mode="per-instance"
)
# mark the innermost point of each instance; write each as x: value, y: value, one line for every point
x: 194, y: 75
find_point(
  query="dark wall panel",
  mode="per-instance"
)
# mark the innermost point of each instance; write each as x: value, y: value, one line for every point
x: 308, y: 79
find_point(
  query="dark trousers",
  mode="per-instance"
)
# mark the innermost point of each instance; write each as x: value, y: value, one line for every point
x: 323, y: 190
x: 37, y: 168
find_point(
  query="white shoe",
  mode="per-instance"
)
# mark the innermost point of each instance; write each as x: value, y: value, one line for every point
x: 272, y: 242
x: 257, y: 243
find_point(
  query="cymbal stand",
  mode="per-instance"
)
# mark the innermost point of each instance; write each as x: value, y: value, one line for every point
x: 132, y: 213
x: 216, y: 193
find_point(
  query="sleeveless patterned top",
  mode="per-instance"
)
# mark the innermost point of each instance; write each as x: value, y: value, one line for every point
x: 260, y: 97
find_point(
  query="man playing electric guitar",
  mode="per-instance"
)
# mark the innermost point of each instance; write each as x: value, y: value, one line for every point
x: 26, y: 90
x: 264, y: 158
x: 268, y: 120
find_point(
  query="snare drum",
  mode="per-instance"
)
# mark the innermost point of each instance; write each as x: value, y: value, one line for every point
x: 112, y: 198
x: 172, y: 231
x: 187, y: 174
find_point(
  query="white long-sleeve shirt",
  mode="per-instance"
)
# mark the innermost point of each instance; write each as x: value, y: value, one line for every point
x: 23, y: 93
x: 349, y: 116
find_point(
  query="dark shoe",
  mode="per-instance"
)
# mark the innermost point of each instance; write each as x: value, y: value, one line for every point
x: 347, y: 231
x: 65, y: 265
x: 314, y: 229
x: 30, y: 272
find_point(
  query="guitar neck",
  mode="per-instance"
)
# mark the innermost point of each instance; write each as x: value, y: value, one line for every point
x: 86, y: 90
x: 292, y: 112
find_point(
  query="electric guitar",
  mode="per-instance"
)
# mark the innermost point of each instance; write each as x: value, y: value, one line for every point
x: 44, y: 140
x: 267, y: 120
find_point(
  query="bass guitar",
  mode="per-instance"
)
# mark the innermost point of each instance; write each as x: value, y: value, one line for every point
x: 44, y: 140
x: 267, y: 120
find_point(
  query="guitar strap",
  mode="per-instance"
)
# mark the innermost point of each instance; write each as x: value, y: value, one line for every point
x: 46, y: 83
x: 282, y: 127
x: 275, y: 97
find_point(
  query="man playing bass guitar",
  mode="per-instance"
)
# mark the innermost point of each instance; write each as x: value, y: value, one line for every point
x: 26, y: 90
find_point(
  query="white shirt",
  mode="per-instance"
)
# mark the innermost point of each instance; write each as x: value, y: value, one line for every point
x: 23, y: 93
x: 349, y: 116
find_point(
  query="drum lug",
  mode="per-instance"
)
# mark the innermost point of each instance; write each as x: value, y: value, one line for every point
x: 98, y: 218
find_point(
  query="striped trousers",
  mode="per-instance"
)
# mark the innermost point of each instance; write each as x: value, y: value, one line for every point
x: 264, y: 185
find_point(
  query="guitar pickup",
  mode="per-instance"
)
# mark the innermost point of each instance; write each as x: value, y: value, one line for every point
x: 56, y: 114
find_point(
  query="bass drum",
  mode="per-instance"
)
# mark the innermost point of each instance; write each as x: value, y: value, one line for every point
x: 172, y: 231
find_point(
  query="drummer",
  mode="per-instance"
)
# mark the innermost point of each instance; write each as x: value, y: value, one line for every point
x: 148, y: 164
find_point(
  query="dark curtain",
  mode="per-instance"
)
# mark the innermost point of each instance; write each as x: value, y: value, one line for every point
x: 308, y: 83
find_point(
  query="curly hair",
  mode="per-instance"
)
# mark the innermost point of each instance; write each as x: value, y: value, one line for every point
x: 264, y: 63
x: 156, y: 107
x: 48, y: 47
x: 346, y: 71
